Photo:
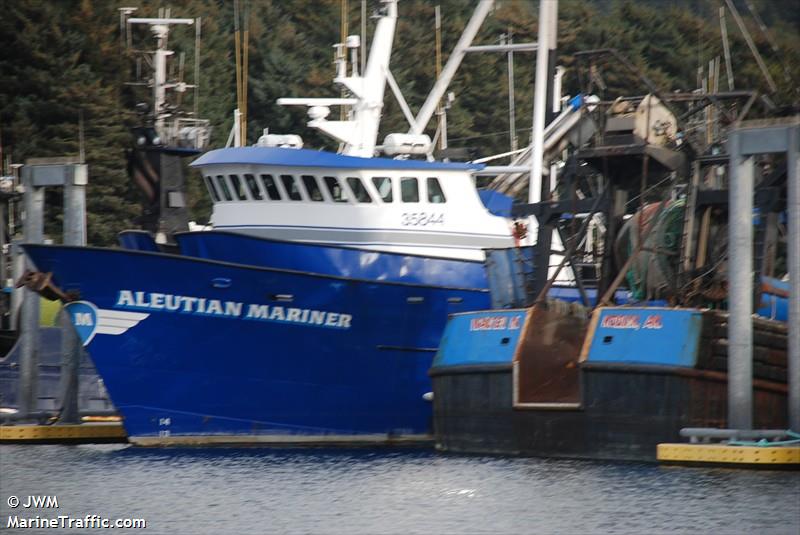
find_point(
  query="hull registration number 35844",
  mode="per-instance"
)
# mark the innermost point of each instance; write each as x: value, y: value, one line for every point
x: 421, y: 219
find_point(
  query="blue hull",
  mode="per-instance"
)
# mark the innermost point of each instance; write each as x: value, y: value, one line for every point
x: 333, y: 260
x: 281, y: 354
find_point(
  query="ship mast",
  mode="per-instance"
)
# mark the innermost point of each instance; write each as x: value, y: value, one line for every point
x: 168, y: 131
x: 359, y: 132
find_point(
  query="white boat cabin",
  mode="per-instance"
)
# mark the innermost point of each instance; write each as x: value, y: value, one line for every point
x: 404, y: 206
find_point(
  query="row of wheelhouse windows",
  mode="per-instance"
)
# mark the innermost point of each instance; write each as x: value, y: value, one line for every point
x: 318, y: 189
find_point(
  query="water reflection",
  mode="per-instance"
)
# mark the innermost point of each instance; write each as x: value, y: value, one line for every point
x: 388, y: 491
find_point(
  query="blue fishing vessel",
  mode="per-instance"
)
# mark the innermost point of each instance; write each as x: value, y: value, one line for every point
x: 311, y: 307
x: 241, y: 337
x: 703, y: 350
x: 205, y: 350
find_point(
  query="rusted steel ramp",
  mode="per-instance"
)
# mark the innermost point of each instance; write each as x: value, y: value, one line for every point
x: 545, y: 369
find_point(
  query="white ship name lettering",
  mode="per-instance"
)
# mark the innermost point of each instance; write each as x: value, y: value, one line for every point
x: 184, y: 304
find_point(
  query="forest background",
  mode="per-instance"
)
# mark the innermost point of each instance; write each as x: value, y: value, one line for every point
x: 60, y: 59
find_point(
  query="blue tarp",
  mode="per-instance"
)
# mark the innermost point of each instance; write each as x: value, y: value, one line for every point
x: 497, y: 203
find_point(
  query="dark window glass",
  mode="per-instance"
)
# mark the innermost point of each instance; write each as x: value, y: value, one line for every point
x: 384, y: 186
x: 223, y: 185
x: 335, y: 189
x: 212, y: 189
x: 252, y: 187
x: 271, y: 187
x: 238, y: 188
x: 312, y: 188
x: 290, y: 185
x: 361, y: 193
x: 435, y: 193
x: 409, y: 189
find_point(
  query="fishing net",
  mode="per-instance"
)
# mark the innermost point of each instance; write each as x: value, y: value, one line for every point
x: 653, y: 273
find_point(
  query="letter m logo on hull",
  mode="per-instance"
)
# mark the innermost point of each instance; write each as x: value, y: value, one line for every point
x: 88, y: 320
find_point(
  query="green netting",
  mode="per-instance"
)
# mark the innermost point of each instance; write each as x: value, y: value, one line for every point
x: 652, y: 273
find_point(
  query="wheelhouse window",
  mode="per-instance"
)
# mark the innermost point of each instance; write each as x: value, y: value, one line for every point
x: 291, y: 187
x: 252, y: 187
x: 223, y: 186
x: 335, y: 189
x: 383, y: 185
x: 271, y: 187
x: 409, y: 189
x: 360, y: 192
x: 312, y: 188
x: 238, y: 189
x: 212, y: 189
x: 435, y: 193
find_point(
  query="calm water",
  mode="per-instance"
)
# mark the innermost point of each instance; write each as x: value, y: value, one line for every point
x: 200, y: 491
